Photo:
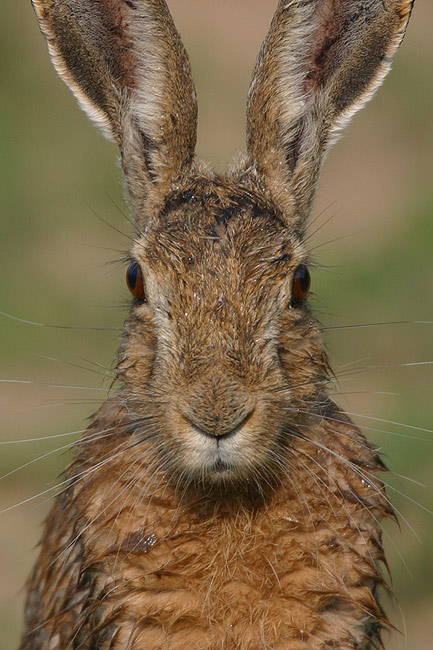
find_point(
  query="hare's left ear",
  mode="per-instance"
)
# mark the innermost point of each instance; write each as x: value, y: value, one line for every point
x: 321, y: 61
x: 126, y: 64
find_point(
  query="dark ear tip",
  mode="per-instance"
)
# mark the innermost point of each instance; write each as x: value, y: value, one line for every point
x: 404, y: 9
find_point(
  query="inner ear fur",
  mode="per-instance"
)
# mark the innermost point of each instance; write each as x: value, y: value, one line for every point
x: 126, y: 64
x: 321, y: 61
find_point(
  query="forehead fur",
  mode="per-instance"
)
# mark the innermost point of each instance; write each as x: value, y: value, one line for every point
x: 208, y: 222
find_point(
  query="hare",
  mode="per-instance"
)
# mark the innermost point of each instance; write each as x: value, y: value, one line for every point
x: 219, y: 499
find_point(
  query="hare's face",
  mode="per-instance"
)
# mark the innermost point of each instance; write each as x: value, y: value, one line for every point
x: 219, y: 354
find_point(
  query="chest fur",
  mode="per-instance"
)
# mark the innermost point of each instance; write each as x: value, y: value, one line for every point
x: 286, y: 577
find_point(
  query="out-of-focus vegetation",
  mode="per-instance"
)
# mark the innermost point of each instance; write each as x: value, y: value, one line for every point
x: 61, y: 209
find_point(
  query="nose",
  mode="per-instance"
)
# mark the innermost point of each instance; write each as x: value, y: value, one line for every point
x: 218, y: 405
x: 216, y: 428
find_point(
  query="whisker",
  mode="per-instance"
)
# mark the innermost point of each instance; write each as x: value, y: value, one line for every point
x: 71, y: 364
x: 349, y: 235
x: 41, y: 383
x: 68, y: 481
x: 367, y: 428
x: 125, y: 214
x: 110, y: 225
x: 379, y: 324
x: 61, y: 327
x: 399, y: 424
x: 41, y: 438
x: 46, y: 454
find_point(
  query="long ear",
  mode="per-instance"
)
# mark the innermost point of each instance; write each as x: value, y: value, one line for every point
x: 126, y: 64
x: 321, y: 61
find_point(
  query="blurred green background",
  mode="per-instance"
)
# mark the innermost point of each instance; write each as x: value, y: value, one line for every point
x: 61, y: 209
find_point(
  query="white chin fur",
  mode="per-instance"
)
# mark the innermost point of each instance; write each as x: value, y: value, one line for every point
x: 212, y: 457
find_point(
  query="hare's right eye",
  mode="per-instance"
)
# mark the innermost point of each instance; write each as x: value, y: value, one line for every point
x: 134, y: 280
x: 301, y: 284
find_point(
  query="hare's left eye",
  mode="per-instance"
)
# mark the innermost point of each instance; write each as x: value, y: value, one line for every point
x: 301, y: 284
x: 134, y: 280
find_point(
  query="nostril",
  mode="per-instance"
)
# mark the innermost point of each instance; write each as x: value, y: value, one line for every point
x: 215, y: 430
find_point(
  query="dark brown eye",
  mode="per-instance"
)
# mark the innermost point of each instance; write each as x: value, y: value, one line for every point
x: 301, y: 284
x: 134, y: 280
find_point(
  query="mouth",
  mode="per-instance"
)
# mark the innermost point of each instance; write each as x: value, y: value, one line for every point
x: 221, y: 467
x: 216, y: 452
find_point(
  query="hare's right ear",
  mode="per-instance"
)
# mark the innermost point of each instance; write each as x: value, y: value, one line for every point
x: 321, y: 61
x: 126, y: 64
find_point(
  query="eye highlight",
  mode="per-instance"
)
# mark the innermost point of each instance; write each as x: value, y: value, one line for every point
x: 301, y: 284
x: 134, y: 280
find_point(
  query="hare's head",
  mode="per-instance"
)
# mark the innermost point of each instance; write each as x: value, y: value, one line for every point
x: 222, y: 364
x: 220, y: 343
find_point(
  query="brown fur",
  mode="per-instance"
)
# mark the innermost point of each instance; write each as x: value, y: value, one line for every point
x: 219, y: 500
x: 135, y: 564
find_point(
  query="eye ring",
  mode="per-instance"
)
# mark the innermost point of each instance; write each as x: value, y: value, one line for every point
x: 134, y: 280
x: 301, y: 284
